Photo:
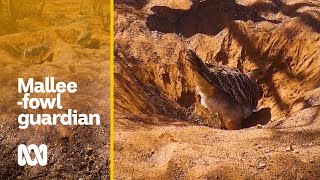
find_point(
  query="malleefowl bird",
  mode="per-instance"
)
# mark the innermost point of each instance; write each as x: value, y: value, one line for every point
x: 228, y: 92
x: 37, y: 53
x: 84, y: 37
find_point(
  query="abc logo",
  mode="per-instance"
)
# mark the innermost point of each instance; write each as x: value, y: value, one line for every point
x: 24, y: 155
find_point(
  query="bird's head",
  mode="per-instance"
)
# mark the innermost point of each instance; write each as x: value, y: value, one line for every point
x: 255, y: 75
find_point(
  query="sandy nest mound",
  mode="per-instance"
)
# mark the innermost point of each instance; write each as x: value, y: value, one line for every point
x: 162, y: 132
x: 73, y: 151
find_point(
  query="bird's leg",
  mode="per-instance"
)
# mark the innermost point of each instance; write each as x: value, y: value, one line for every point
x: 39, y: 60
x: 223, y: 125
x: 228, y: 124
x: 231, y: 124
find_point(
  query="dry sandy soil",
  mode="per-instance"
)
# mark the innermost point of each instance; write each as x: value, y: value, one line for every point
x: 162, y: 132
x: 73, y: 151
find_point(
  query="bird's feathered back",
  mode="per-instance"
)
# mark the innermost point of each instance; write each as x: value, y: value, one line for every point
x: 35, y: 50
x: 238, y: 85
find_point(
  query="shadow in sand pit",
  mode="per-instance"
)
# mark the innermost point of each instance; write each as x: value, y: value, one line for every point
x: 207, y: 17
x: 307, y: 18
x: 262, y: 117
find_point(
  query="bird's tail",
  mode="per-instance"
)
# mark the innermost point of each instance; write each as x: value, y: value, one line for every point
x: 196, y: 63
x: 201, y: 72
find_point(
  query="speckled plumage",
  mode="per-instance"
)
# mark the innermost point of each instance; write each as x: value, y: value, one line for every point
x: 35, y: 50
x: 221, y: 86
x: 84, y: 37
x: 36, y: 53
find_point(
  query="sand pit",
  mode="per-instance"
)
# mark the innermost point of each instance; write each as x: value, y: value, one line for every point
x: 162, y: 131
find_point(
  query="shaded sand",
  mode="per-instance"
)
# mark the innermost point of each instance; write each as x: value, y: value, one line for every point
x: 162, y: 132
x: 73, y: 151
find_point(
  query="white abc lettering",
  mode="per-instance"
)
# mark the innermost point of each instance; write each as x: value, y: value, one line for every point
x: 24, y: 155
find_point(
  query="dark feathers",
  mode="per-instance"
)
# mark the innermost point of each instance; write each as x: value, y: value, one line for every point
x: 238, y: 85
